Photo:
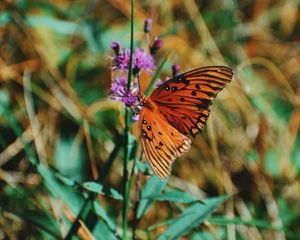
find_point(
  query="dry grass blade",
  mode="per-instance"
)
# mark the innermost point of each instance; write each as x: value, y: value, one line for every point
x: 15, y: 147
x: 34, y: 122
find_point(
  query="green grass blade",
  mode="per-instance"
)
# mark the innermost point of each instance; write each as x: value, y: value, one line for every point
x: 153, y: 186
x: 175, y: 196
x: 100, y: 189
x: 156, y: 75
x: 238, y: 221
x: 72, y: 199
x: 102, y: 232
x: 38, y: 219
x: 100, y: 211
x: 192, y: 217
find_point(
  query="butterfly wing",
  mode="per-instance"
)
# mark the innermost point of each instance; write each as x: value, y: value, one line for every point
x: 162, y: 143
x: 185, y: 99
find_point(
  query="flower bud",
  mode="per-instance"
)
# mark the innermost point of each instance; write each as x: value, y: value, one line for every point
x: 156, y: 46
x: 175, y: 69
x: 116, y: 47
x: 147, y: 25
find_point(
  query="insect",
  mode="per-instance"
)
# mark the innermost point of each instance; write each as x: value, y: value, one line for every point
x: 177, y: 109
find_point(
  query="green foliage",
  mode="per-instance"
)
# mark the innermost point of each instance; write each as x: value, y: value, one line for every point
x: 98, y: 188
x: 153, y: 186
x: 296, y: 154
x: 175, y: 196
x: 69, y: 158
x: 61, y: 169
x: 191, y: 218
x: 42, y: 219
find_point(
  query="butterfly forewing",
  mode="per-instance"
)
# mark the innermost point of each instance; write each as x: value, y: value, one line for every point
x: 185, y: 99
x: 162, y: 143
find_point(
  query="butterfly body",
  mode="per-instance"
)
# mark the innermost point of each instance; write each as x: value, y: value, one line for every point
x: 177, y: 108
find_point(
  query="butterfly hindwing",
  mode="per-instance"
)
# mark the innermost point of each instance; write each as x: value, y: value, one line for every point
x: 162, y: 143
x: 185, y: 99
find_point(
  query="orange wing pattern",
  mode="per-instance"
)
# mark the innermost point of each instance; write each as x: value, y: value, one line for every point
x: 185, y: 99
x: 162, y: 143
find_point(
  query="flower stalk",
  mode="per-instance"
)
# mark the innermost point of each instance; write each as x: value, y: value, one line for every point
x: 126, y: 190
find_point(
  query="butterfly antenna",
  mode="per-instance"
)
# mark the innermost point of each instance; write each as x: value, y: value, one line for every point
x: 139, y: 82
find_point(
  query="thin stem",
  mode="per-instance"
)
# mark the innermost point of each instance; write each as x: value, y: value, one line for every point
x: 139, y: 82
x: 131, y: 44
x: 157, y: 73
x: 126, y: 183
x: 148, y: 39
x: 125, y: 177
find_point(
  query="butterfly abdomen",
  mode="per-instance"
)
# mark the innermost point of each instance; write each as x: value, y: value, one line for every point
x: 148, y: 103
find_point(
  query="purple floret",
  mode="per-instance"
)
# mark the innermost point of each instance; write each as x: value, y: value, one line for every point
x: 119, y: 92
x: 119, y: 86
x: 141, y: 60
x: 129, y: 99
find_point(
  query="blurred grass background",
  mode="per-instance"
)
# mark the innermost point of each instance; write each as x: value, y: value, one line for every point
x: 60, y: 132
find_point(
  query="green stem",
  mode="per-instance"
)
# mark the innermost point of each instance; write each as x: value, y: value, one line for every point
x: 157, y: 73
x: 126, y: 186
x: 126, y: 183
x: 131, y: 44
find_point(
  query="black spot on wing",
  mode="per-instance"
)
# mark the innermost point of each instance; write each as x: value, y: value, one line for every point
x: 145, y: 135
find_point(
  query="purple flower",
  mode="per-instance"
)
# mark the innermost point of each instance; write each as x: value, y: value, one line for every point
x: 119, y: 92
x: 121, y: 61
x: 119, y: 86
x: 129, y: 99
x: 141, y: 60
x: 156, y: 45
x: 147, y: 25
x: 175, y: 69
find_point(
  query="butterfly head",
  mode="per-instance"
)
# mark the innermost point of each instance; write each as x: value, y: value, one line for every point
x: 141, y: 98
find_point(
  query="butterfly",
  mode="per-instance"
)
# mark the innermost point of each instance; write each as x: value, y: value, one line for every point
x: 177, y: 109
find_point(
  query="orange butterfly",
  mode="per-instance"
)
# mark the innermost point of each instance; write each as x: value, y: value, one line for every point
x: 177, y: 108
